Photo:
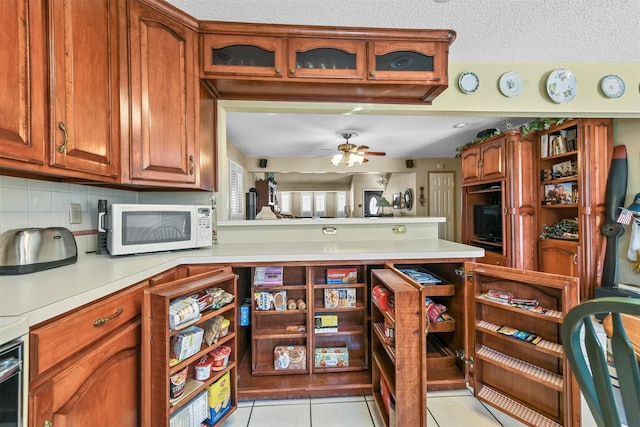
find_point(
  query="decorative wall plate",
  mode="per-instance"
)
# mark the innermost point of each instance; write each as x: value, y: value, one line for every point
x: 612, y: 86
x: 408, y: 199
x: 561, y: 86
x: 468, y: 82
x: 510, y: 84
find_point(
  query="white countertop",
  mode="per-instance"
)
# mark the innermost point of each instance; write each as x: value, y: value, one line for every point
x: 28, y: 299
x: 408, y: 219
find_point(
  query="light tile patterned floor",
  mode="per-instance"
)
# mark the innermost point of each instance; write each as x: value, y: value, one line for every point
x: 445, y: 409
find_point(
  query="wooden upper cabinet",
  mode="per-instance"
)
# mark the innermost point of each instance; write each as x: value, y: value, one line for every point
x: 164, y: 99
x: 326, y: 58
x: 313, y: 63
x: 484, y: 162
x: 85, y: 41
x: 411, y: 60
x: 243, y: 55
x: 22, y: 84
x: 471, y: 165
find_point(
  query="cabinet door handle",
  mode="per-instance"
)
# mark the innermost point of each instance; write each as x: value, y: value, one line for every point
x: 372, y: 73
x: 47, y: 423
x: 575, y: 259
x: 278, y: 70
x: 104, y: 320
x: 292, y: 70
x: 191, y: 165
x: 63, y: 147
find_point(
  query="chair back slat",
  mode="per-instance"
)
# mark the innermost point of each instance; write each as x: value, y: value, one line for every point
x: 594, y: 378
x: 626, y: 368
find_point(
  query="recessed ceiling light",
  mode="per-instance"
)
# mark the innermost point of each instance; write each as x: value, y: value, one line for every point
x: 458, y: 125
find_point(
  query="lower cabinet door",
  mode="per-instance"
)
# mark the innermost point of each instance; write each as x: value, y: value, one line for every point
x: 102, y: 387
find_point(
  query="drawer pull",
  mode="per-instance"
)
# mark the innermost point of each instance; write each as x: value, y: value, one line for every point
x: 104, y: 320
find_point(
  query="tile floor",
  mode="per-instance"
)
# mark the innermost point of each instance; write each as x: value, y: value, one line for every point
x: 445, y: 409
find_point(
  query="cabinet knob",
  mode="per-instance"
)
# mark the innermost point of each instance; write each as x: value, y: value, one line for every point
x: 372, y: 73
x: 191, y: 165
x: 292, y: 70
x: 47, y: 423
x: 278, y: 69
x: 63, y: 147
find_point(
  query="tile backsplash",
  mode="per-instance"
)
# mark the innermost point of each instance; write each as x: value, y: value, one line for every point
x: 34, y: 203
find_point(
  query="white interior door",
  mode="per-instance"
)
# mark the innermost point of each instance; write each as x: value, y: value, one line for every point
x: 442, y: 201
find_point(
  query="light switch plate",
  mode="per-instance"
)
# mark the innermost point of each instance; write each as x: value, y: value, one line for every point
x: 75, y: 213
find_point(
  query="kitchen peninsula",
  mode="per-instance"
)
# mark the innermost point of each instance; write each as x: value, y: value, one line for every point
x: 49, y: 304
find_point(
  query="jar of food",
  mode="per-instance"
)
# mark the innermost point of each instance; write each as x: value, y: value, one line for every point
x: 224, y: 328
x: 220, y: 357
x: 177, y: 383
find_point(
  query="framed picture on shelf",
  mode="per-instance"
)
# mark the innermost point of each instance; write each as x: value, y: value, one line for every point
x: 397, y: 201
x: 564, y: 169
x: 564, y: 193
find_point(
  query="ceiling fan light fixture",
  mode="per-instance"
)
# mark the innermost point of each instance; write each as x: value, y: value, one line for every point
x: 336, y: 159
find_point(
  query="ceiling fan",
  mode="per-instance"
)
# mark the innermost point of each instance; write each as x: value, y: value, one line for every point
x: 351, y: 154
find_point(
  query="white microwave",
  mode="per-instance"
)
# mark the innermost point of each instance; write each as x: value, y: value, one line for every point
x: 134, y: 229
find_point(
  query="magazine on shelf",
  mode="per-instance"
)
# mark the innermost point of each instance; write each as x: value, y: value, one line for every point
x: 422, y: 277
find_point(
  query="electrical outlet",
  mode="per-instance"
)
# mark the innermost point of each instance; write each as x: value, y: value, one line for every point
x: 75, y: 213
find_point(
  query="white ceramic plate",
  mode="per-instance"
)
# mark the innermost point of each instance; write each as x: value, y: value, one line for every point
x: 510, y: 84
x: 612, y: 86
x: 468, y: 82
x: 561, y: 86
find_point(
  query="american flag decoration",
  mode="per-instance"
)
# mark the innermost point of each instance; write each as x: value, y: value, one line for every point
x: 625, y: 217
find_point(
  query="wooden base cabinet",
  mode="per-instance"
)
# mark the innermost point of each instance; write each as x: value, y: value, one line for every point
x: 85, y: 365
x: 158, y: 340
x: 531, y: 382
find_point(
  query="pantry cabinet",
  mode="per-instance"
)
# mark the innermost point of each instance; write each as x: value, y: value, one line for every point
x: 519, y: 364
x: 304, y: 325
x: 165, y: 371
x: 291, y: 62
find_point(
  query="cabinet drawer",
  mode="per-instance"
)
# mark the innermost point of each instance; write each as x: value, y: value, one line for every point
x: 62, y: 338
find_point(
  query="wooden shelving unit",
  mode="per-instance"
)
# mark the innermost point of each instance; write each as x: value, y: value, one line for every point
x: 530, y: 382
x: 269, y: 329
x: 398, y: 370
x: 156, y: 344
x: 577, y: 168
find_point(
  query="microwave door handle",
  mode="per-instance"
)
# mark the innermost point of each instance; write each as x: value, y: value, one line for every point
x: 8, y: 367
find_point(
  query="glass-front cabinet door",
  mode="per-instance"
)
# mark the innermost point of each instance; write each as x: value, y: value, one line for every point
x: 406, y: 61
x: 243, y: 55
x: 326, y: 58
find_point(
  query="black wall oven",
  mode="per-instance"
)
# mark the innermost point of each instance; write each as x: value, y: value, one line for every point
x: 11, y: 383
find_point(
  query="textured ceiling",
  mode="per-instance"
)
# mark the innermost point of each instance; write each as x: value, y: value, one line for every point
x: 518, y: 30
x: 487, y: 30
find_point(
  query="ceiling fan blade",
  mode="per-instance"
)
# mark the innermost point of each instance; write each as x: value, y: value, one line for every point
x: 615, y: 194
x: 362, y: 148
x: 365, y: 160
x: 374, y: 153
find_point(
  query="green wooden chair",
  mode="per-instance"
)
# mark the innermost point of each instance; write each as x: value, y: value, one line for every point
x: 593, y: 377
